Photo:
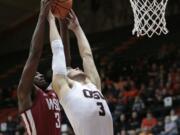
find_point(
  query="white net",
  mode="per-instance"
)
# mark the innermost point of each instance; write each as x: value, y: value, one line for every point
x: 149, y: 17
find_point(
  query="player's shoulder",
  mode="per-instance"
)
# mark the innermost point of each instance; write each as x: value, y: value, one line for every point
x: 90, y: 83
x: 92, y: 86
x: 40, y: 93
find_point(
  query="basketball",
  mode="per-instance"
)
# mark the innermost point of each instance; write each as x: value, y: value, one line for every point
x: 60, y: 8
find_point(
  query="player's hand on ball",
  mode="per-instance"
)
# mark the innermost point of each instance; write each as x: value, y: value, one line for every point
x: 45, y: 7
x: 72, y: 21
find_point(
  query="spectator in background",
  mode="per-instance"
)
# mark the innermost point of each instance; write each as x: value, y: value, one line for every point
x: 123, y: 132
x: 149, y: 122
x: 158, y: 98
x: 178, y: 123
x: 153, y: 71
x: 170, y: 127
x: 11, y: 126
x: 20, y: 126
x: 145, y: 131
x: 142, y: 92
x: 168, y: 101
x: 150, y: 91
x: 7, y: 96
x: 133, y: 90
x: 176, y: 82
x: 132, y: 132
x: 3, y: 128
x: 138, y: 105
x: 162, y: 73
x: 14, y: 93
x: 17, y: 133
x: 134, y: 121
x: 111, y: 89
x: 158, y: 129
x: 130, y: 91
x: 8, y: 127
x: 123, y: 123
x: 119, y: 85
x: 107, y: 86
x: 120, y: 106
x: 111, y: 100
x: 173, y: 115
x: 174, y: 79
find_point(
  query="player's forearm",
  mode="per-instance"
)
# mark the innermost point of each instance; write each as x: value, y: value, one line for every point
x: 26, y: 83
x: 58, y: 60
x: 34, y: 55
x: 38, y: 37
x: 65, y: 38
x: 83, y: 43
x: 54, y: 34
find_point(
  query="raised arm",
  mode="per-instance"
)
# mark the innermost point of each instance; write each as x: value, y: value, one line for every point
x: 84, y: 49
x: 59, y: 83
x: 26, y: 87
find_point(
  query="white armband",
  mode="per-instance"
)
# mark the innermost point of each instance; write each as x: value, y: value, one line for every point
x: 58, y: 60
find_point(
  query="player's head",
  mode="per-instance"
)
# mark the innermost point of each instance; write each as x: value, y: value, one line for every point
x: 76, y: 74
x: 40, y: 81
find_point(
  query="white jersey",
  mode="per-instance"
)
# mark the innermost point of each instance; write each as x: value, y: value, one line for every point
x: 87, y: 110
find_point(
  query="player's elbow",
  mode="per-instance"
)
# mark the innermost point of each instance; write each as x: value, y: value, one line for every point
x: 20, y: 94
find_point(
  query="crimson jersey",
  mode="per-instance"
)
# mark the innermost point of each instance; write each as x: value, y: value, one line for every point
x: 43, y: 118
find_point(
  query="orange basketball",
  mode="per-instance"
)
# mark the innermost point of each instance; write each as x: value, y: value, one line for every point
x: 60, y: 8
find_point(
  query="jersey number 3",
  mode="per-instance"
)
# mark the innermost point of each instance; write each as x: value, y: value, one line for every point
x: 57, y: 116
x: 101, y: 107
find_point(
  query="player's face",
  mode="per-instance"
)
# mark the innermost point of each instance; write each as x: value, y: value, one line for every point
x: 40, y: 81
x: 76, y: 72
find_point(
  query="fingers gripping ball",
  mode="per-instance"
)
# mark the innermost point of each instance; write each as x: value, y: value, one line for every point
x: 60, y: 8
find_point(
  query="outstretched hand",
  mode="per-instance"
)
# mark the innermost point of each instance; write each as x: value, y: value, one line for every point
x: 72, y: 21
x: 45, y: 7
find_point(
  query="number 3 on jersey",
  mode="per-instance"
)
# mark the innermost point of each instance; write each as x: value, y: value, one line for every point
x: 101, y: 107
x: 58, y: 123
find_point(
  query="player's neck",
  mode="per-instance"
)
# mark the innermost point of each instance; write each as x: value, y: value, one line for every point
x: 81, y: 79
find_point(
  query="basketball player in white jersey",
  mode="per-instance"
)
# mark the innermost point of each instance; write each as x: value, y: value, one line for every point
x: 79, y: 92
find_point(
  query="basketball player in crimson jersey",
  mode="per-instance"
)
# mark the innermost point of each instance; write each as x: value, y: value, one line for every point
x: 39, y: 108
x: 79, y: 92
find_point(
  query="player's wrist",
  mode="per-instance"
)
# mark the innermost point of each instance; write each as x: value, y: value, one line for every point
x: 42, y: 16
x: 76, y: 29
x: 50, y: 17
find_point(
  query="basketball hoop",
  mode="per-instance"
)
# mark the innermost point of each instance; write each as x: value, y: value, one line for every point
x: 149, y: 17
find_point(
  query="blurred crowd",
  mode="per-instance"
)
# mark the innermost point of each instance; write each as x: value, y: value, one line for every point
x: 13, y: 126
x: 143, y: 94
x: 8, y: 96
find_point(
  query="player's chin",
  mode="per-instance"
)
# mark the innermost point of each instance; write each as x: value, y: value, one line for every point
x: 81, y: 74
x: 77, y: 75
